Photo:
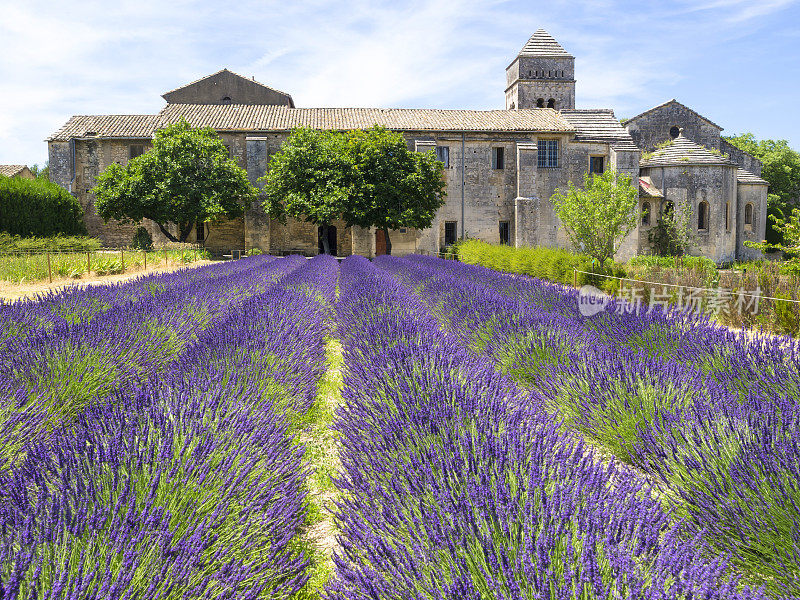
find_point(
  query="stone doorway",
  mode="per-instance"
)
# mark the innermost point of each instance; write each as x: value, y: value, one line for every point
x: 380, y: 242
x: 331, y: 240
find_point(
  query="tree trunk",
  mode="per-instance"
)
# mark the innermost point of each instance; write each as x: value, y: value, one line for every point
x: 388, y: 241
x: 185, y: 229
x: 167, y: 233
x: 326, y: 247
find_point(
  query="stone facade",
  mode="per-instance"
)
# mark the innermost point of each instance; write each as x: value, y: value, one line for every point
x: 502, y: 168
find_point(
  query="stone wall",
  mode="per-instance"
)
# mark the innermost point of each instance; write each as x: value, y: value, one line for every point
x: 755, y: 194
x: 529, y: 78
x: 225, y: 84
x: 686, y: 187
x: 741, y: 158
x: 652, y: 128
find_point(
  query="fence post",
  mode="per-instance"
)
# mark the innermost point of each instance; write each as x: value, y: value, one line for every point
x: 122, y: 258
x: 49, y: 269
x: 574, y: 277
x: 88, y: 263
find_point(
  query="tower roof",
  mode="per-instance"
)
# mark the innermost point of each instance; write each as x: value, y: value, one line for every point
x: 542, y: 43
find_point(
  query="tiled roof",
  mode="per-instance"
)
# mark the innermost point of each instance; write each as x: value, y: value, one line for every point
x: 11, y: 170
x: 683, y: 151
x: 119, y: 126
x: 648, y: 189
x: 599, y: 125
x: 542, y: 43
x: 239, y: 117
x: 673, y: 101
x: 743, y: 176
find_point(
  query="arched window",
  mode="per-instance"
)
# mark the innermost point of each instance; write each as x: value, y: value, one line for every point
x: 645, y: 213
x: 674, y: 131
x: 702, y: 216
x: 226, y: 100
x: 551, y: 103
x: 748, y: 214
x: 540, y: 103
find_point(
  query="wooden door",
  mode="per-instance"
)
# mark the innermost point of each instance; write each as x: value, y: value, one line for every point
x: 380, y: 242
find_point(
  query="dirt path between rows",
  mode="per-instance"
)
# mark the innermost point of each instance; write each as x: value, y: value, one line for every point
x: 15, y: 291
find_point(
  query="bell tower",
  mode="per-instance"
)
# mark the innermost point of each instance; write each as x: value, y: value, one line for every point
x: 541, y: 76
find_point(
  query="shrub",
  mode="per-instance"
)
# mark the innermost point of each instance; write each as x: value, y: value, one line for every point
x: 142, y: 240
x: 38, y: 208
x: 57, y: 243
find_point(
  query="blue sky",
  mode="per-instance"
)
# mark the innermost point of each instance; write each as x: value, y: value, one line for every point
x: 735, y: 61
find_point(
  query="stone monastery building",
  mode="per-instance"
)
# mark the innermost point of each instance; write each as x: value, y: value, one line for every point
x: 502, y: 166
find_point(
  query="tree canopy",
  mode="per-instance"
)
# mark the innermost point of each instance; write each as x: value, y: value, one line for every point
x: 781, y: 169
x: 367, y: 178
x: 186, y: 178
x: 395, y: 187
x: 598, y: 216
x: 310, y: 178
x: 37, y: 207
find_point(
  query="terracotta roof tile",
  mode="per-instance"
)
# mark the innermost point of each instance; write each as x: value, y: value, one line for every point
x: 238, y: 117
x: 599, y: 125
x: 118, y: 126
x: 11, y: 170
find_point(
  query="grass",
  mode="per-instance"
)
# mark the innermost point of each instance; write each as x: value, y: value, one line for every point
x: 315, y: 430
x: 28, y: 268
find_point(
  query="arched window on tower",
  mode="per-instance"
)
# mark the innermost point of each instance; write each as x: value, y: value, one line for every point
x: 540, y: 103
x: 702, y: 216
x: 551, y: 103
x: 645, y: 213
x: 748, y: 217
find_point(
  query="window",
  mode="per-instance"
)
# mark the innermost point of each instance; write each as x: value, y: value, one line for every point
x: 443, y: 155
x: 135, y: 150
x: 596, y: 164
x: 540, y: 103
x: 748, y: 216
x: 674, y: 131
x: 226, y: 100
x: 498, y: 158
x: 702, y: 216
x: 551, y: 103
x: 201, y: 232
x: 645, y: 213
x: 450, y: 234
x: 548, y: 154
x: 504, y: 237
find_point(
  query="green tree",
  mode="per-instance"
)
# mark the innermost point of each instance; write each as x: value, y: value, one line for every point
x: 186, y: 178
x: 781, y: 169
x: 598, y: 216
x: 789, y: 230
x: 41, y: 172
x: 394, y: 186
x: 670, y: 235
x: 310, y: 178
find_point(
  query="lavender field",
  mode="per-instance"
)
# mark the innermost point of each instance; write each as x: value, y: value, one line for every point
x: 406, y: 428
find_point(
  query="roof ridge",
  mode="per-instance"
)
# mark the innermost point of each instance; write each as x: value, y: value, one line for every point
x: 225, y: 70
x: 663, y: 104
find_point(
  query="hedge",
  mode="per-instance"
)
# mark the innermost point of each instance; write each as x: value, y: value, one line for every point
x: 38, y: 208
x: 10, y: 244
x: 553, y: 264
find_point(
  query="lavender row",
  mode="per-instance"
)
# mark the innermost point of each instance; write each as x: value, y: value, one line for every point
x: 49, y: 376
x: 709, y: 414
x: 457, y: 483
x: 188, y: 486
